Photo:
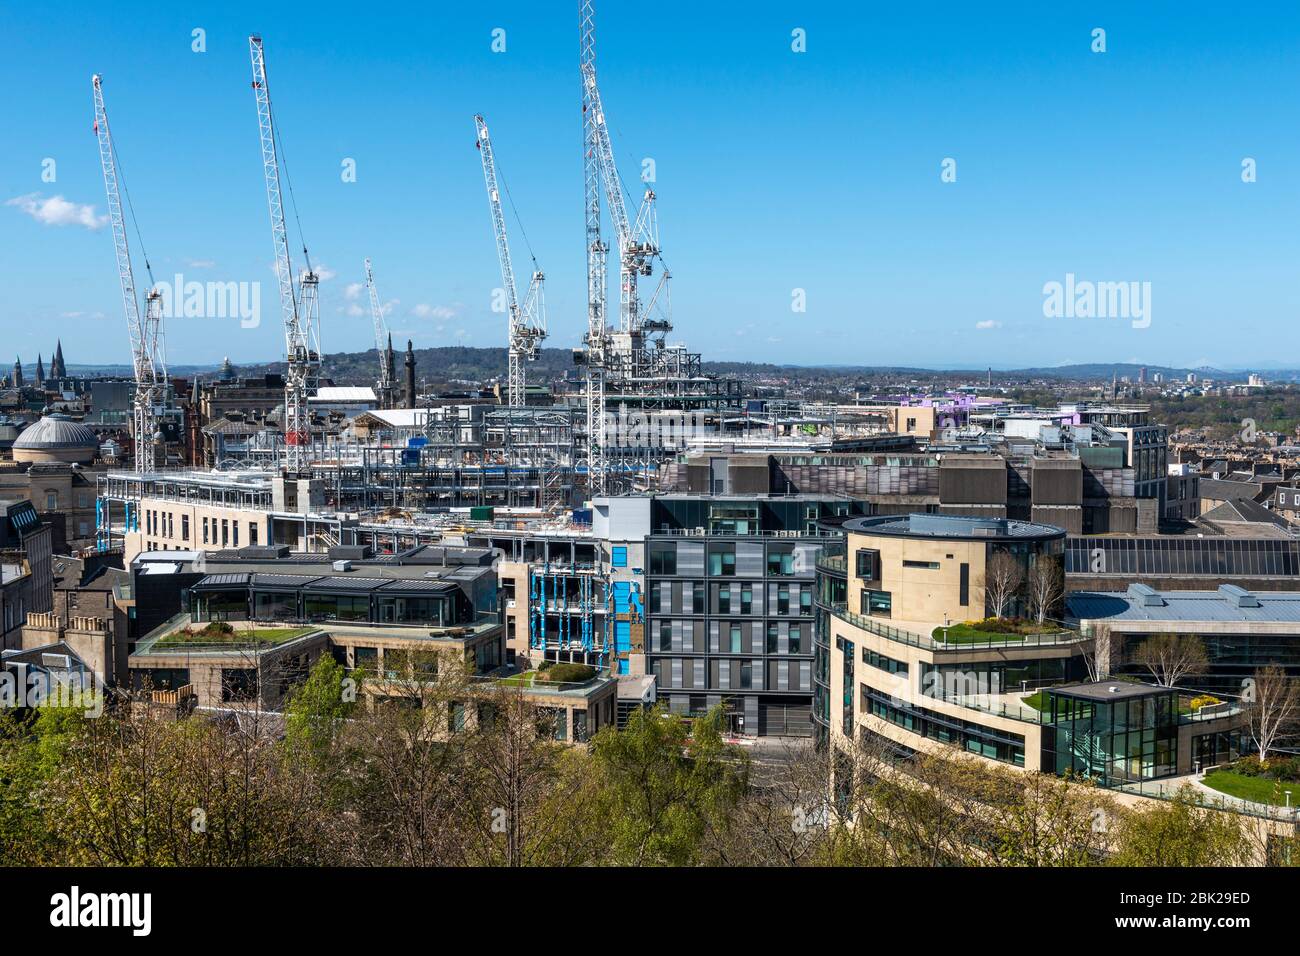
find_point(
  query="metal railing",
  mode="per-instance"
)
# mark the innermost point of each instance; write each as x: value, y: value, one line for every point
x: 1063, y: 637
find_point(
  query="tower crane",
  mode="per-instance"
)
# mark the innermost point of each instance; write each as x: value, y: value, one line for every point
x: 527, y: 320
x: 383, y: 342
x: 299, y: 309
x: 638, y: 240
x: 596, y: 343
x: 147, y: 353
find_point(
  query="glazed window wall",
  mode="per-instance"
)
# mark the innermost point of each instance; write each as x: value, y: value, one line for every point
x: 1113, y: 742
x: 953, y: 681
x: 846, y: 650
x: 973, y: 738
x: 1183, y: 556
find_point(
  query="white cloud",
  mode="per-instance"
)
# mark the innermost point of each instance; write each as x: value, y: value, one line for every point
x: 201, y: 263
x: 988, y: 324
x: 57, y: 211
x: 325, y: 273
x: 352, y: 292
x: 426, y: 311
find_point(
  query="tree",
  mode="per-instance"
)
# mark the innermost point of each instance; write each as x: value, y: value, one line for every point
x: 1046, y: 586
x: 1170, y: 658
x: 783, y: 817
x: 1002, y: 579
x: 665, y: 783
x: 316, y: 709
x: 1180, y: 832
x: 529, y: 798
x: 1272, y: 704
x: 1097, y: 652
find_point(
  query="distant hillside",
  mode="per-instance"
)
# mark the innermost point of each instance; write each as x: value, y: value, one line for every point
x: 463, y: 363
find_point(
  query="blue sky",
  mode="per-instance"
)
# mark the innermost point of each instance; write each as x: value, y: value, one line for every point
x: 776, y: 171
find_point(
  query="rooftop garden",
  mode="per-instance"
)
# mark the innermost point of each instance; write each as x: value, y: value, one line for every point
x: 992, y: 629
x: 551, y: 675
x: 224, y: 632
x: 1248, y: 779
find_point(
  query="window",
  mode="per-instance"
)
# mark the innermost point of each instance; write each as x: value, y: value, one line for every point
x: 735, y: 639
x: 225, y: 532
x: 665, y: 635
x: 663, y: 558
x: 722, y: 560
x: 205, y: 530
x: 185, y: 527
x: 783, y: 599
x: 927, y: 565
x: 51, y: 501
x: 252, y: 534
x: 796, y: 638
x: 876, y: 603
x: 780, y: 562
x: 964, y: 587
x: 773, y: 637
x: 697, y: 598
x: 867, y: 563
x: 746, y: 599
x: 234, y: 531
x: 724, y: 599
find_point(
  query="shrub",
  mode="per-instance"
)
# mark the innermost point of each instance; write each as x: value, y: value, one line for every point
x: 218, y: 629
x: 561, y: 673
x: 1204, y: 700
x: 1286, y: 769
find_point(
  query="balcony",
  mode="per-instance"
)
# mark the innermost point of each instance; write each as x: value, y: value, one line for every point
x: 1062, y: 638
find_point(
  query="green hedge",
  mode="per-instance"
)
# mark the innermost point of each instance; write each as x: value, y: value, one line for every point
x: 562, y: 673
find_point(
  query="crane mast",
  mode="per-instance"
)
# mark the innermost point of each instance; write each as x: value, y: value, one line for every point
x: 382, y: 341
x: 299, y: 311
x: 527, y: 321
x: 638, y: 240
x: 597, y: 339
x: 145, y: 331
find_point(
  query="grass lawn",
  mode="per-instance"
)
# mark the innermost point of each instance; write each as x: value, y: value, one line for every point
x: 273, y: 635
x: 964, y: 633
x: 1256, y: 789
x: 1037, y: 700
x: 526, y: 679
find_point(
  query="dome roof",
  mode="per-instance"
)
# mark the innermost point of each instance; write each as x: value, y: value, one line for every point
x: 56, y: 431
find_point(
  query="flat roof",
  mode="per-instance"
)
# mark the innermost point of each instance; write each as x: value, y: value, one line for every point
x: 1186, y: 606
x: 953, y: 527
x: 1109, y: 690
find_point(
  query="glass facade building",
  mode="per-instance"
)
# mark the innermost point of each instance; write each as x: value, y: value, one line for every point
x: 1112, y: 733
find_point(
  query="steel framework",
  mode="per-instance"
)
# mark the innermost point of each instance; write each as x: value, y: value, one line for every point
x: 527, y: 327
x: 147, y: 354
x: 302, y: 347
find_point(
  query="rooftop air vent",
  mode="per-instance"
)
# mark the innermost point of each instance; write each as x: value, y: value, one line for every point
x: 1238, y: 597
x: 1145, y: 596
x: 342, y: 565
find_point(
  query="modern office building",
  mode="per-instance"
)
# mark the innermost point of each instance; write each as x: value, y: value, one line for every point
x: 1242, y: 630
x: 902, y: 674
x: 729, y: 611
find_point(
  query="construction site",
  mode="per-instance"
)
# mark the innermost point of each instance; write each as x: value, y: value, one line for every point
x: 636, y: 402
